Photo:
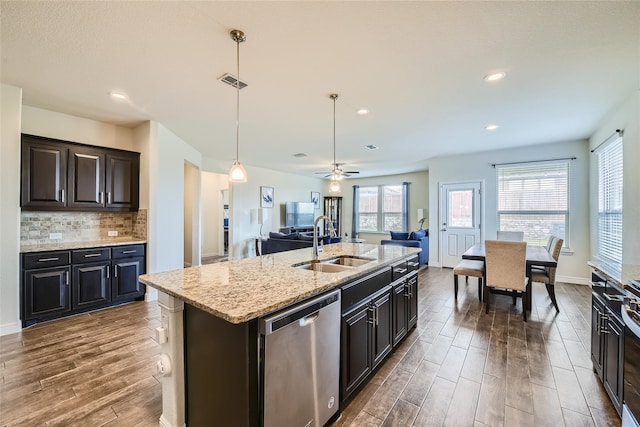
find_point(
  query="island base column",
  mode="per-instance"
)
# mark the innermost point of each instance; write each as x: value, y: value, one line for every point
x: 170, y: 336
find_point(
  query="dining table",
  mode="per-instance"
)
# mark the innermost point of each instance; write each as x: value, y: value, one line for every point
x: 536, y: 256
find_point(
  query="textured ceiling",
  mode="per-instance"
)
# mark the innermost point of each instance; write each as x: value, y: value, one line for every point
x: 417, y: 66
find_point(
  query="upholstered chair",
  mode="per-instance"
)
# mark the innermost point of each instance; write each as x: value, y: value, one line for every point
x: 468, y: 267
x: 547, y: 275
x: 505, y: 270
x: 515, y: 236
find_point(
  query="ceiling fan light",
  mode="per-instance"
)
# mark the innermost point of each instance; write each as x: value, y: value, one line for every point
x: 334, y: 187
x: 237, y: 173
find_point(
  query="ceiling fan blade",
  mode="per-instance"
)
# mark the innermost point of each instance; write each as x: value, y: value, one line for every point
x: 351, y: 172
x: 323, y: 172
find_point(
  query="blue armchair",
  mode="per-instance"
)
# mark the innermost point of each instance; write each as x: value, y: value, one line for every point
x: 415, y: 239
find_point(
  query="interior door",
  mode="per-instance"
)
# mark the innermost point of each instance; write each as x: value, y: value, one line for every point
x: 459, y: 220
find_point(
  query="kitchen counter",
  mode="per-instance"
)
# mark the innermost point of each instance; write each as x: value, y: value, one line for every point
x: 619, y: 273
x: 241, y: 290
x: 61, y: 246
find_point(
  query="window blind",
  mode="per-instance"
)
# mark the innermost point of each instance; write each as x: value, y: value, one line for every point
x: 610, y: 184
x: 534, y: 198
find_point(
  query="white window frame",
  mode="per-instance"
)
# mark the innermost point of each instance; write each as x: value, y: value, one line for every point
x: 610, y: 200
x: 380, y: 212
x: 564, y: 212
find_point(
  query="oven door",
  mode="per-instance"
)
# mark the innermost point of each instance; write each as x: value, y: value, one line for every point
x: 631, y: 409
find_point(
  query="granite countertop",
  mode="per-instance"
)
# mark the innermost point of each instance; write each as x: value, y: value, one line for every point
x: 241, y: 290
x: 61, y: 246
x: 619, y: 273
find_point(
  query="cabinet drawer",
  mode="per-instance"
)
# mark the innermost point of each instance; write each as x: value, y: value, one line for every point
x: 45, y: 259
x: 360, y: 289
x: 90, y: 255
x: 127, y: 251
x: 398, y: 270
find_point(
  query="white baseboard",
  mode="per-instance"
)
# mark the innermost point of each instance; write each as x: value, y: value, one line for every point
x: 573, y: 280
x: 11, y: 328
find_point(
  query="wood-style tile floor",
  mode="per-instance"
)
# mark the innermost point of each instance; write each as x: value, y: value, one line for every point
x: 459, y: 367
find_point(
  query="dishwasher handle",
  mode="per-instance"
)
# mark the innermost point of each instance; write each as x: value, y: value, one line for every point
x: 305, y: 313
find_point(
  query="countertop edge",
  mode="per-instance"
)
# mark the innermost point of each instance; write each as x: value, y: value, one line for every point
x: 67, y: 246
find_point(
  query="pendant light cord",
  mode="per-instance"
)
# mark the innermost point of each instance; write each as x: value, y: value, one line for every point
x: 334, y: 133
x: 238, y: 101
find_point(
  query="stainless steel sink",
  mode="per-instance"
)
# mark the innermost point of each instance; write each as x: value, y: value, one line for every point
x: 334, y: 265
x: 323, y: 267
x: 349, y: 260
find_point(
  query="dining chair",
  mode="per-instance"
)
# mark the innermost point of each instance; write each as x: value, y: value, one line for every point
x: 515, y: 236
x: 505, y: 270
x: 547, y: 275
x: 468, y: 267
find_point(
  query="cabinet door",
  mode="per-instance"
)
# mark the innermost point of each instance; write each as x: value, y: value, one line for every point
x: 46, y: 292
x: 124, y: 283
x: 399, y: 311
x: 86, y: 178
x: 122, y: 181
x: 613, y: 362
x: 382, y: 336
x: 91, y: 285
x: 44, y: 173
x: 355, y: 348
x: 596, y: 335
x: 412, y: 301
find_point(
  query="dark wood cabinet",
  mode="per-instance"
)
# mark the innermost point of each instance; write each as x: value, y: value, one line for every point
x: 614, y: 359
x: 381, y: 326
x: 43, y: 173
x: 62, y: 175
x: 46, y: 292
x: 399, y: 310
x: 122, y: 181
x: 125, y: 284
x: 60, y: 283
x: 597, y: 335
x: 412, y: 300
x: 86, y: 177
x: 356, y: 345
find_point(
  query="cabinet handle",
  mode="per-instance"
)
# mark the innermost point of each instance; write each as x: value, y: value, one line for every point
x: 400, y: 270
x: 66, y: 278
x: 109, y: 197
x: 115, y: 271
x: 101, y: 197
x: 412, y: 264
x: 373, y: 316
x: 108, y: 274
x: 48, y: 259
x: 133, y: 251
x: 62, y: 195
x: 91, y: 255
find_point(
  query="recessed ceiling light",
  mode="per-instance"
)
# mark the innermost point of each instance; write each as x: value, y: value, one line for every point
x: 118, y: 95
x: 300, y: 155
x: 362, y: 112
x: 371, y: 147
x: 492, y: 127
x: 494, y: 77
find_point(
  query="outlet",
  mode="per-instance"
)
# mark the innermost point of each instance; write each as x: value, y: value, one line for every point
x: 55, y: 236
x: 112, y: 233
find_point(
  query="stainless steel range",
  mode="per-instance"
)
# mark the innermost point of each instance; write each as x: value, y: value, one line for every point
x: 631, y: 317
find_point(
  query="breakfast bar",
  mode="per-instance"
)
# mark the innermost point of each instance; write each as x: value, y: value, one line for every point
x: 212, y: 334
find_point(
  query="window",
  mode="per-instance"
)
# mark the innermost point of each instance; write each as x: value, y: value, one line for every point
x: 610, y: 201
x: 534, y: 198
x: 381, y: 208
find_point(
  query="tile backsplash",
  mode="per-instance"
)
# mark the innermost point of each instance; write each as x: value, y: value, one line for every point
x: 35, y: 227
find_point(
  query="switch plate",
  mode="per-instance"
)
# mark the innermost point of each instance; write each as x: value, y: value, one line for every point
x: 112, y: 233
x: 55, y: 236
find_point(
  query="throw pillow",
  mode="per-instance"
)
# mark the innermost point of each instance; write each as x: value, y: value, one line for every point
x: 417, y: 235
x: 291, y: 236
x: 397, y: 235
x: 275, y: 235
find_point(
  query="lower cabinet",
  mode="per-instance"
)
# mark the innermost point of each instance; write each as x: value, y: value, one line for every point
x: 60, y: 283
x: 377, y: 314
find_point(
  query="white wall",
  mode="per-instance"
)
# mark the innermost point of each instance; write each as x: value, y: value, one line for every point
x: 10, y: 113
x: 477, y: 167
x: 418, y: 198
x: 626, y: 117
x: 245, y: 198
x: 212, y: 219
x: 191, y: 214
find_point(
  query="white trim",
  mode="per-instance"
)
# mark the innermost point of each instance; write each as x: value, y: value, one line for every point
x: 573, y: 280
x: 11, y: 328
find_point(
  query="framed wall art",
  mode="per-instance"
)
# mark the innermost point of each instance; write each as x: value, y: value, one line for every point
x: 266, y: 197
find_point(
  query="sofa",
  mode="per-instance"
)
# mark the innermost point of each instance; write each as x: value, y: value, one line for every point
x: 415, y: 239
x: 280, y: 242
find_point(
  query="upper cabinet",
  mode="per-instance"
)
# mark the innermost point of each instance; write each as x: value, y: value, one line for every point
x: 60, y: 175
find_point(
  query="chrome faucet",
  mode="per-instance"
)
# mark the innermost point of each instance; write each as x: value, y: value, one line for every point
x: 332, y: 232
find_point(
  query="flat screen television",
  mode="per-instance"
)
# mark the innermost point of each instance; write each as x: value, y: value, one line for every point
x: 299, y: 214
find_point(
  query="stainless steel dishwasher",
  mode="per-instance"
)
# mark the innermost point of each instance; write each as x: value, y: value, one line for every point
x: 300, y: 361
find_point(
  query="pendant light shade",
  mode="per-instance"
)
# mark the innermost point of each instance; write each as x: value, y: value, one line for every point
x: 334, y: 186
x: 237, y: 173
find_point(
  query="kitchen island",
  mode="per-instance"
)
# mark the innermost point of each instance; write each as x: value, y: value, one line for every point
x: 209, y: 333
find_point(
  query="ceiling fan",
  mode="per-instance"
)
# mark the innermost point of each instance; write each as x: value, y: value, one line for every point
x: 336, y: 173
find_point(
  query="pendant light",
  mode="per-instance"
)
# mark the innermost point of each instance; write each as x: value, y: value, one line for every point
x: 334, y: 185
x: 237, y: 173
